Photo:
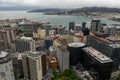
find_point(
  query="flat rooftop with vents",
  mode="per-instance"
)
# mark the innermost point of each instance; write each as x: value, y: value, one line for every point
x: 97, y: 55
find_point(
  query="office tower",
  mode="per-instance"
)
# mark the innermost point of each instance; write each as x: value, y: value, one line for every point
x: 63, y: 58
x: 75, y: 53
x: 47, y: 27
x: 25, y: 44
x: 6, y: 67
x: 95, y: 25
x: 83, y: 25
x: 20, y: 66
x: 27, y: 28
x: 7, y: 36
x: 36, y: 33
x: 71, y: 26
x: 41, y: 33
x: 59, y: 29
x: 97, y: 64
x: 78, y: 27
x: 63, y: 55
x: 109, y: 49
x: 34, y: 65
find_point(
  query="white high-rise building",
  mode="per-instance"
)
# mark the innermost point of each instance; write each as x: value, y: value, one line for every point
x: 34, y: 65
x: 6, y: 67
x: 63, y: 58
x: 25, y: 44
x: 7, y: 35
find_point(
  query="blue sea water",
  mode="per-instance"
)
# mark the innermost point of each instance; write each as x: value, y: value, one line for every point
x: 53, y: 19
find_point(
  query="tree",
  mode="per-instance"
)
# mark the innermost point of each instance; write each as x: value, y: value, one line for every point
x: 68, y: 74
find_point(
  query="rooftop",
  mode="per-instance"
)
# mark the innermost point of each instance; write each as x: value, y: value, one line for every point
x: 26, y: 38
x: 35, y: 54
x: 97, y: 55
x: 3, y: 54
x: 109, y: 40
x: 105, y: 40
x: 76, y: 44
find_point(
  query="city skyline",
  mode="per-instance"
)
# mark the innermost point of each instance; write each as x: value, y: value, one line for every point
x: 59, y: 3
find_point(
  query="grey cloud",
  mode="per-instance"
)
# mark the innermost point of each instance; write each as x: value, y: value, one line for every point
x: 62, y: 3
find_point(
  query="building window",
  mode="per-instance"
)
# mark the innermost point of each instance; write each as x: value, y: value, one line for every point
x: 119, y: 66
x: 6, y: 67
x: 3, y: 74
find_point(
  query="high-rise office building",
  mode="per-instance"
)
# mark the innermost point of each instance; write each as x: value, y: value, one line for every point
x: 71, y: 26
x: 25, y: 44
x: 63, y: 58
x: 47, y: 27
x: 95, y: 25
x: 7, y: 36
x: 34, y: 65
x: 109, y: 49
x: 40, y: 33
x: 83, y: 25
x: 59, y: 29
x: 6, y: 66
x: 27, y: 28
x: 75, y: 51
x: 97, y: 64
x: 63, y: 55
x: 78, y: 27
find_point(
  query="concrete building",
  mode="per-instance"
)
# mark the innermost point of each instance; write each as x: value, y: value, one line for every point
x: 27, y: 28
x: 71, y: 26
x: 7, y: 36
x: 63, y: 58
x: 41, y: 33
x: 98, y: 65
x: 108, y: 48
x: 75, y: 53
x: 63, y: 55
x: 6, y: 66
x: 36, y: 33
x: 25, y: 44
x: 34, y: 65
x: 78, y: 27
x: 95, y: 25
x: 59, y: 29
x: 47, y: 27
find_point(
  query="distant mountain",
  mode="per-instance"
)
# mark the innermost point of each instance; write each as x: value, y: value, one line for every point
x: 78, y: 10
x: 96, y: 9
x: 49, y: 10
x: 17, y: 8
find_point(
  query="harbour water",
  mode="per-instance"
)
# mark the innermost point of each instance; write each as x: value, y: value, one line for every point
x: 53, y: 19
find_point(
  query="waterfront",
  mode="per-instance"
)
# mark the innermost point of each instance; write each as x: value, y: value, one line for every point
x: 54, y: 19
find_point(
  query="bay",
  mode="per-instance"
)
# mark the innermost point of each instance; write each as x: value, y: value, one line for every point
x: 53, y: 19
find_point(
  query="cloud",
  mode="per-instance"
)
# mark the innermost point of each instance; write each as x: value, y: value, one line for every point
x: 61, y: 3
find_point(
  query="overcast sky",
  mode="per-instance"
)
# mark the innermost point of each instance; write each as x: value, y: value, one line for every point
x: 61, y: 3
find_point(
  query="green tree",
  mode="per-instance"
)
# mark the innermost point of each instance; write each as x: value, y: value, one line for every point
x: 68, y: 74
